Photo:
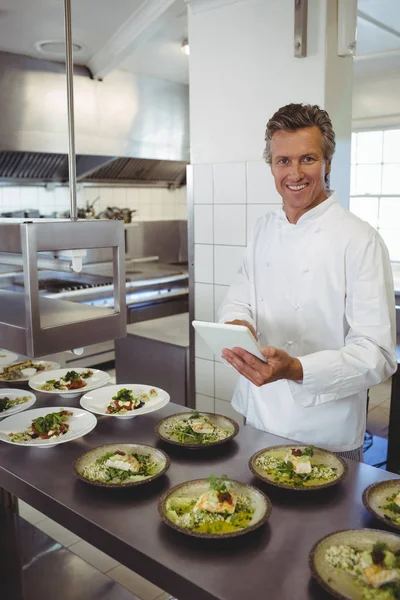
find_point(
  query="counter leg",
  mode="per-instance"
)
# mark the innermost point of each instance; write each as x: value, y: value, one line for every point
x: 8, y: 503
x: 393, y: 455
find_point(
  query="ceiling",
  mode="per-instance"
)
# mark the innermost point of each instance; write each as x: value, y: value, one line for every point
x: 144, y: 36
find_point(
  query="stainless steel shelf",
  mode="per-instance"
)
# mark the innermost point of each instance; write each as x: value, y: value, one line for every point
x: 34, y: 325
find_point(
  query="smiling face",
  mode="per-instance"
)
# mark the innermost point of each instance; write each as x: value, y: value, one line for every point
x: 299, y: 168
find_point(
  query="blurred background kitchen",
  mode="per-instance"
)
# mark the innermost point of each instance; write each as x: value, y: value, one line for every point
x: 134, y: 83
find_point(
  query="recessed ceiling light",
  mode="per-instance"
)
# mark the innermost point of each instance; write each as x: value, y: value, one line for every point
x: 56, y: 47
x: 185, y: 47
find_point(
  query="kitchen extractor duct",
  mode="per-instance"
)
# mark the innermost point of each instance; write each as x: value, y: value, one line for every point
x: 129, y: 129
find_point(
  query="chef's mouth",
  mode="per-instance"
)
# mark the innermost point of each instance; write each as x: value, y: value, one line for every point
x: 297, y: 188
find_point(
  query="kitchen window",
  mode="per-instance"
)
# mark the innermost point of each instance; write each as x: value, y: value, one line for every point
x: 375, y: 183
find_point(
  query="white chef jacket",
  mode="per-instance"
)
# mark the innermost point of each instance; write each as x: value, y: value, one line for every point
x: 322, y: 290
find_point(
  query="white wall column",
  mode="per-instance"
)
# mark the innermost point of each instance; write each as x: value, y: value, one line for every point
x: 242, y: 69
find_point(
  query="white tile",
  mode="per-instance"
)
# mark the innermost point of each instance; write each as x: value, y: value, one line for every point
x: 93, y: 556
x: 225, y: 381
x: 12, y: 196
x: 201, y: 349
x: 183, y: 212
x: 230, y: 224
x: 29, y: 197
x: 135, y: 583
x: 204, y: 301
x: 220, y: 292
x: 255, y: 212
x: 227, y: 261
x: 230, y: 183
x: 204, y: 403
x: 29, y: 513
x: 58, y: 532
x: 203, y: 224
x: 223, y: 407
x: 204, y: 377
x: 203, y: 184
x: 119, y: 197
x: 260, y: 184
x: 204, y: 263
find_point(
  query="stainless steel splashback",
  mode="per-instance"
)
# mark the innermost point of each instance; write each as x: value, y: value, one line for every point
x: 123, y: 116
x: 165, y: 239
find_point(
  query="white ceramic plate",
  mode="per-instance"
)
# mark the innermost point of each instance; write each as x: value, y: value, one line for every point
x: 98, y: 400
x: 80, y: 424
x: 13, y: 393
x: 98, y: 379
x: 7, y: 357
x: 49, y: 365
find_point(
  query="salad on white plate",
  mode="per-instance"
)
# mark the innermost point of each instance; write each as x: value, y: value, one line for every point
x: 125, y: 401
x: 13, y: 401
x: 46, y: 427
x: 69, y: 382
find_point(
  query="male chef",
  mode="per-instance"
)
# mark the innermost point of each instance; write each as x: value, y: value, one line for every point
x: 316, y: 290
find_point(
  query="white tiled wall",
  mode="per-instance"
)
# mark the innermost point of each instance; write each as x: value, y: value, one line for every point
x: 152, y: 204
x: 228, y: 200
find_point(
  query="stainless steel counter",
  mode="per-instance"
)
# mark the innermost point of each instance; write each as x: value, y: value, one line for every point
x: 271, y: 562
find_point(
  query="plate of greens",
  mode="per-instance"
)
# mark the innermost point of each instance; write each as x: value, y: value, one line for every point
x: 383, y: 501
x: 13, y: 401
x: 216, y: 507
x: 121, y: 465
x: 125, y: 401
x: 359, y: 564
x: 69, y: 382
x: 21, y: 372
x: 46, y: 427
x: 197, y: 430
x: 298, y: 467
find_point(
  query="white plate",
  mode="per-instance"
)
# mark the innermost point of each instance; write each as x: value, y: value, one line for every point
x: 98, y: 400
x: 80, y: 424
x: 98, y: 379
x: 49, y: 366
x: 15, y: 393
x: 7, y: 357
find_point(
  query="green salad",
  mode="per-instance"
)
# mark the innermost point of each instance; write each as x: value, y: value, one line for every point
x: 377, y: 572
x: 218, y: 510
x: 7, y: 403
x: 120, y: 467
x: 50, y: 426
x: 297, y: 468
x: 392, y: 508
x: 197, y: 429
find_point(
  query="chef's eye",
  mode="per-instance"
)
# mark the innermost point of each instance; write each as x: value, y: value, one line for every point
x: 283, y: 161
x: 308, y: 159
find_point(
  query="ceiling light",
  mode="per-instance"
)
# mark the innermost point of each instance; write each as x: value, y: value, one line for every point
x: 185, y: 49
x: 56, y: 47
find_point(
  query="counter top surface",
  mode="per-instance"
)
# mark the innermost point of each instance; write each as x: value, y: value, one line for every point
x: 271, y: 562
x: 172, y: 330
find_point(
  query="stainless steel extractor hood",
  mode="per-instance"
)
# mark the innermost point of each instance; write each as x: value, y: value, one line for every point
x: 129, y: 129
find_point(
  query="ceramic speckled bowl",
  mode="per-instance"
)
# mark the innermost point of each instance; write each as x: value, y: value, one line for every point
x: 84, y: 461
x: 193, y: 489
x: 216, y: 420
x: 339, y: 583
x: 376, y: 496
x: 320, y: 457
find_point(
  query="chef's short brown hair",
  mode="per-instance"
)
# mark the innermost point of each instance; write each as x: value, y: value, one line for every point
x: 298, y: 116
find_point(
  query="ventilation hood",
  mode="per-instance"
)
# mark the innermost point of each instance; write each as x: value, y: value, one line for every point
x: 129, y: 129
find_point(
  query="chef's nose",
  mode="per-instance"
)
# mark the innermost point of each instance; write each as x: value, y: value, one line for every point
x: 296, y: 171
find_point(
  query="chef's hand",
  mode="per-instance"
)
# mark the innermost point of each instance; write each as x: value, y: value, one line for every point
x: 279, y: 365
x: 246, y: 324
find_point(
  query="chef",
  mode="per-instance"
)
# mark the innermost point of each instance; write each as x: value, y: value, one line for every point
x: 316, y: 290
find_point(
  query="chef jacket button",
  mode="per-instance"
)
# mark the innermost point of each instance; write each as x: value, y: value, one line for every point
x: 306, y: 270
x: 261, y: 298
x: 290, y: 343
x: 258, y: 333
x: 267, y: 264
x: 296, y: 307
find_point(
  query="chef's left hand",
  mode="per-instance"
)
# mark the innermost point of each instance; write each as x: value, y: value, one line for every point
x: 279, y: 365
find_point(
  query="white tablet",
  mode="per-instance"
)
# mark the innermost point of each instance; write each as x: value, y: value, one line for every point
x: 221, y: 335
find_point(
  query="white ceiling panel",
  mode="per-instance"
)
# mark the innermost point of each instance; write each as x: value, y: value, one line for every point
x: 23, y: 23
x: 385, y: 11
x: 371, y: 39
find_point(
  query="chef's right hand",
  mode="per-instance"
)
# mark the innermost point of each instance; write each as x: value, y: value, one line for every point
x: 246, y: 324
